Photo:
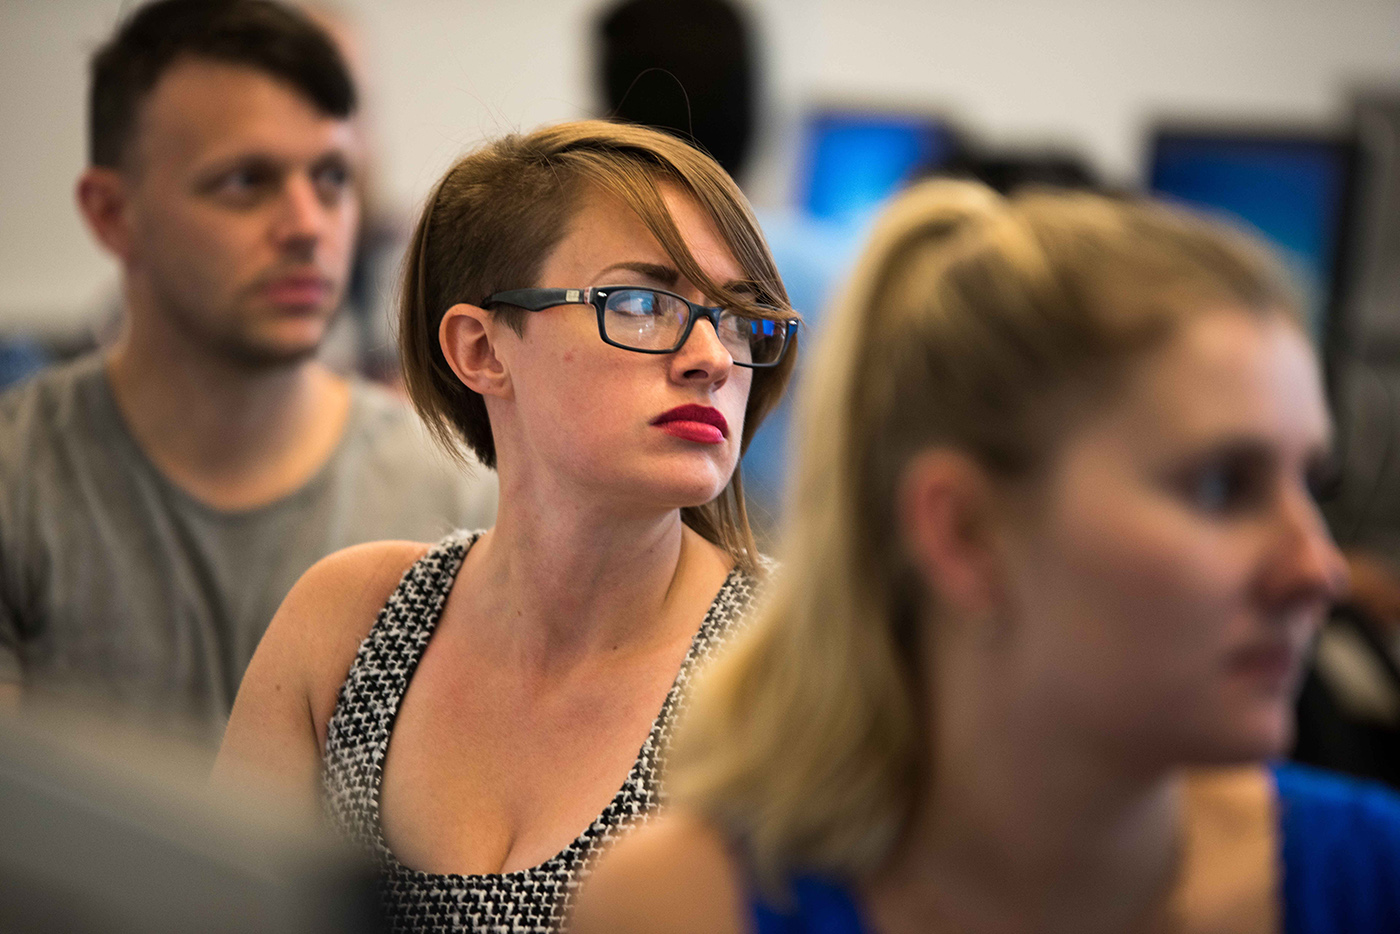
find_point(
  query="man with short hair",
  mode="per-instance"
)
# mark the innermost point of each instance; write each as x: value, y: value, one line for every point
x: 158, y: 500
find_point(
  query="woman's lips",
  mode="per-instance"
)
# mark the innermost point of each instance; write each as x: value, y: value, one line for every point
x: 1275, y: 665
x: 693, y: 431
x: 699, y: 423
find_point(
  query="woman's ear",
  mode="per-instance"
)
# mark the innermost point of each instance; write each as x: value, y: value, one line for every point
x: 468, y: 336
x: 946, y: 508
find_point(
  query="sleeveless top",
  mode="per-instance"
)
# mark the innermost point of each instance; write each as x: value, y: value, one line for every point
x: 357, y: 738
x: 1338, y: 852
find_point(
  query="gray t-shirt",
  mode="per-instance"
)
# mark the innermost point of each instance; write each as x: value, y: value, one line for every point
x: 119, y: 586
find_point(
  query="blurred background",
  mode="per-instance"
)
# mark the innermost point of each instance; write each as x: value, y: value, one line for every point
x: 1090, y: 77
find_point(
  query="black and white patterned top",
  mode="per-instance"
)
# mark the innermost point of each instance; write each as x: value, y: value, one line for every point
x: 357, y: 738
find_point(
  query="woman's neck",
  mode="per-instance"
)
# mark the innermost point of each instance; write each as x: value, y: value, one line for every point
x: 564, y: 578
x: 1025, y: 827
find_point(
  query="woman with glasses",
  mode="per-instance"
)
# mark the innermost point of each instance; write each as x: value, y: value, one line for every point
x: 1054, y: 569
x: 592, y: 311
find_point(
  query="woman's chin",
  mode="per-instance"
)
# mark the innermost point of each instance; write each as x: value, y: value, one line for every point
x: 688, y: 488
x: 699, y: 497
x: 1257, y: 735
x: 650, y: 496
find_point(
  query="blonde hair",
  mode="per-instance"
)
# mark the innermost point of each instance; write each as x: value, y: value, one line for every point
x: 975, y: 322
x: 495, y: 217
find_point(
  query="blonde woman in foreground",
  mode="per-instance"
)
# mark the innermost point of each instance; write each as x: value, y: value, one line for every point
x: 1054, y: 568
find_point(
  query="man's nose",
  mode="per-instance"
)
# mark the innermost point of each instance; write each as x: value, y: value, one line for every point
x: 301, y: 216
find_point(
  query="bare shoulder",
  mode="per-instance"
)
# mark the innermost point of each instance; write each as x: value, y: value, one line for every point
x: 360, y: 577
x: 326, y: 616
x: 674, y: 876
x: 278, y: 724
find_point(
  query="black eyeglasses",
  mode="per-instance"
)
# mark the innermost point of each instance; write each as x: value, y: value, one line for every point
x: 656, y: 321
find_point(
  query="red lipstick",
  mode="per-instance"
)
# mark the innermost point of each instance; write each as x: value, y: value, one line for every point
x: 698, y: 423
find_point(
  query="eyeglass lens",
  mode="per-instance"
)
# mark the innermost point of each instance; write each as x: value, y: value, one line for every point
x: 646, y: 320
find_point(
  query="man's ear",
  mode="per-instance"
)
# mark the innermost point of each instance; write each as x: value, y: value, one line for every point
x: 946, y: 507
x: 103, y: 200
x: 469, y: 339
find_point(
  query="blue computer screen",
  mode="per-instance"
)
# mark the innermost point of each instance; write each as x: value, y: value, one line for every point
x: 855, y: 160
x: 1293, y: 191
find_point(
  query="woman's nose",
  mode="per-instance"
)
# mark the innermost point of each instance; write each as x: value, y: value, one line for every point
x: 1309, y: 563
x: 703, y: 357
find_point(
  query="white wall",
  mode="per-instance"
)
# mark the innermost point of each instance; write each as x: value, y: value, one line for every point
x: 1090, y: 73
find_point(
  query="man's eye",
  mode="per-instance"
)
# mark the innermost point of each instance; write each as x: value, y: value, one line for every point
x: 242, y: 184
x: 332, y: 181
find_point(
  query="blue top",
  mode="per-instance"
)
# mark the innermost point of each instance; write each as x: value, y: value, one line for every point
x: 1341, y: 853
x: 1341, y: 865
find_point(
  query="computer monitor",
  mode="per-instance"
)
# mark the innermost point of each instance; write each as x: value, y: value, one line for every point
x: 854, y: 159
x: 1294, y: 188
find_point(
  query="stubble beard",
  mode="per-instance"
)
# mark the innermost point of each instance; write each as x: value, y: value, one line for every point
x: 234, y: 340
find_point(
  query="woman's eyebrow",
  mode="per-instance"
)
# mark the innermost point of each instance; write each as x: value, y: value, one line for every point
x: 668, y: 276
x: 654, y: 271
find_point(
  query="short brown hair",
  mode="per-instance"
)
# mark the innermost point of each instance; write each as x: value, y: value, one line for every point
x: 499, y: 212
x: 274, y: 38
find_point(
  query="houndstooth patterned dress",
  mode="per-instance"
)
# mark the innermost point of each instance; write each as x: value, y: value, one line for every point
x: 357, y: 737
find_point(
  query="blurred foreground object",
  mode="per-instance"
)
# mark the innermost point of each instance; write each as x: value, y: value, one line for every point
x: 103, y: 829
x: 1349, y: 711
x: 1328, y: 199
